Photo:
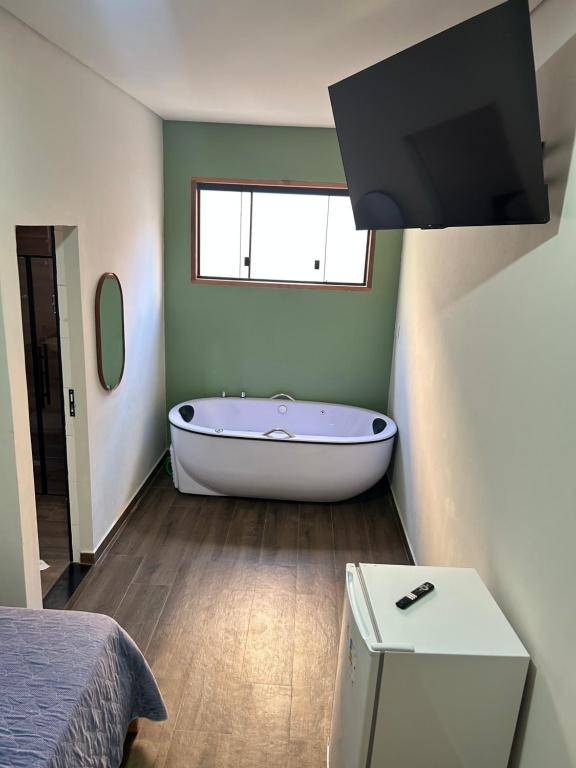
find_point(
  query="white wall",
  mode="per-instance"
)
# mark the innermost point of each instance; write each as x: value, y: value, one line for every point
x: 76, y: 151
x: 484, y: 393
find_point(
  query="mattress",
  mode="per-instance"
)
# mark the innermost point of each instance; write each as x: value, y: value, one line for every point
x: 70, y: 683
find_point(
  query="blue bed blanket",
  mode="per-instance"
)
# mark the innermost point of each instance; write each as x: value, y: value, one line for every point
x: 70, y: 683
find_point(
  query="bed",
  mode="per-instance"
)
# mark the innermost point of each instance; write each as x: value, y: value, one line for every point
x: 70, y: 685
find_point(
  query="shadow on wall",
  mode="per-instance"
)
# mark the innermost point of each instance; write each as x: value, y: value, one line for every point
x: 555, y: 733
x: 504, y: 245
x: 522, y: 724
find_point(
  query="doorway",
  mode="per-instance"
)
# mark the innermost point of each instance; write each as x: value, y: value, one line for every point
x: 42, y: 348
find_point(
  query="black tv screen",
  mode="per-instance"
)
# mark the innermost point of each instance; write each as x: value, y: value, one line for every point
x: 446, y: 133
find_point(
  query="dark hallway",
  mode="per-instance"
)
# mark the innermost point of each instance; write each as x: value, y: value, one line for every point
x: 39, y: 304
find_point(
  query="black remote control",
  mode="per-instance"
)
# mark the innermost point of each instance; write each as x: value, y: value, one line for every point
x: 415, y: 595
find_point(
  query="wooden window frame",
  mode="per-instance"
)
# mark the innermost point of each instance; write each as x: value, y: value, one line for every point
x: 292, y: 185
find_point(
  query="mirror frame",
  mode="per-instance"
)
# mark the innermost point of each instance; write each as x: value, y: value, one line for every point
x: 99, y: 360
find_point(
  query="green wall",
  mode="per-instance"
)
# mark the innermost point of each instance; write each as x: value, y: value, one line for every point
x: 314, y: 344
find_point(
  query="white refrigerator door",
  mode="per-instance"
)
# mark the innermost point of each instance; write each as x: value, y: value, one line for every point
x: 356, y: 681
x: 447, y: 711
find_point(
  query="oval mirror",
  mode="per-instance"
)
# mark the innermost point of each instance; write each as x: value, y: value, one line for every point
x: 109, y: 331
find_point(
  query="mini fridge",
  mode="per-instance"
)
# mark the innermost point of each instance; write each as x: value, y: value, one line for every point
x: 438, y: 685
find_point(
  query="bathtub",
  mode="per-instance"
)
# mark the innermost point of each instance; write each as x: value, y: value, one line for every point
x: 278, y: 449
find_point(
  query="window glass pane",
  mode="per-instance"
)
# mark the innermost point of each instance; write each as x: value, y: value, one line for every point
x: 220, y: 216
x: 288, y: 236
x: 245, y: 215
x: 345, y: 247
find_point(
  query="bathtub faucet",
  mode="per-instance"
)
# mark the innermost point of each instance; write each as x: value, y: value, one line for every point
x: 282, y: 396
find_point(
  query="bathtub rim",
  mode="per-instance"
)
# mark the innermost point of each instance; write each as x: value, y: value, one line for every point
x: 380, y: 437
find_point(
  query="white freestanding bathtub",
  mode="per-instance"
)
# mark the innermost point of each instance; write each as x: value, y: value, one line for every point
x: 278, y: 449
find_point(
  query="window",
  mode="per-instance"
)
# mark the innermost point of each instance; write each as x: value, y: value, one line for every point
x: 266, y: 232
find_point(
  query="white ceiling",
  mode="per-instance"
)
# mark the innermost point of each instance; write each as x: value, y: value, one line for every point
x: 243, y: 61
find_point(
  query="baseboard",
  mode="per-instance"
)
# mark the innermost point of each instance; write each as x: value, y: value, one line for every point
x: 91, y: 558
x: 403, y: 533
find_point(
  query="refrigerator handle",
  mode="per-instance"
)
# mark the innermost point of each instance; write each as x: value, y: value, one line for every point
x: 355, y: 607
x: 393, y: 648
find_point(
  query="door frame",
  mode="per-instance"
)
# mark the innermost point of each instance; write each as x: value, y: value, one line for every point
x: 73, y: 367
x: 63, y: 401
x: 73, y: 354
x: 38, y: 386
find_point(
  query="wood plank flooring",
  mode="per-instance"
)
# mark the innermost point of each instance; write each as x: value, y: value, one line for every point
x: 236, y: 603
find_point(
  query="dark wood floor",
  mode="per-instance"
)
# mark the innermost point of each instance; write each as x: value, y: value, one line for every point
x: 236, y: 605
x: 53, y: 537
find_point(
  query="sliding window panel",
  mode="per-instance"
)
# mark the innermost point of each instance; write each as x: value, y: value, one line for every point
x: 245, y: 217
x: 220, y: 234
x: 346, y: 248
x: 288, y: 237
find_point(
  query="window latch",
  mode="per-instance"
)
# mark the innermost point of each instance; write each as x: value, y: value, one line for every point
x: 317, y: 264
x: 246, y: 261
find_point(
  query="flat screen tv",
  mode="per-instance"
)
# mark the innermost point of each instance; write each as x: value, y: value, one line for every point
x: 446, y: 133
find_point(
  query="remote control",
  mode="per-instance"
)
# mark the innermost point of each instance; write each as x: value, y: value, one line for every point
x: 415, y: 595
